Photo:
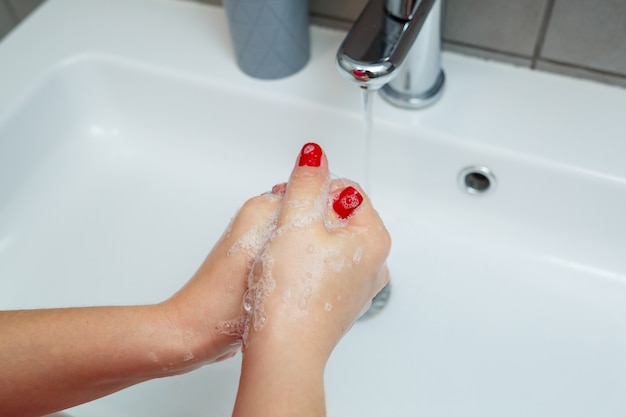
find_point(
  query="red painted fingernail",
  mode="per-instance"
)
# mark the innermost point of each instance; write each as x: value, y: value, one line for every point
x: 311, y: 155
x: 279, y: 189
x: 349, y: 199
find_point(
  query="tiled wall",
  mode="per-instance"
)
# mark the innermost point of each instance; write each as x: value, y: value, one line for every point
x: 577, y: 37
x: 13, y: 11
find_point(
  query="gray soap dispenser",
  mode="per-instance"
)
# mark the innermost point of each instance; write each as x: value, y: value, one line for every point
x: 270, y: 37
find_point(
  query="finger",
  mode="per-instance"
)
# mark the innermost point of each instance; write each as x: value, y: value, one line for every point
x: 306, y: 194
x: 279, y: 189
x: 251, y: 227
x: 346, y: 200
x: 351, y: 209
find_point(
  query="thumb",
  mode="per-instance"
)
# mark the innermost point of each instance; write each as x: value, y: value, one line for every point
x: 305, y: 199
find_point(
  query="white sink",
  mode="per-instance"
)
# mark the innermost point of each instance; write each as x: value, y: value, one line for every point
x: 128, y: 138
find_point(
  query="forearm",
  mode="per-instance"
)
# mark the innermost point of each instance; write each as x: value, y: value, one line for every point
x: 53, y: 359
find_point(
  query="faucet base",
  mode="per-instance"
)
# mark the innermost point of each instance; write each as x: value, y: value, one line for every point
x: 410, y: 101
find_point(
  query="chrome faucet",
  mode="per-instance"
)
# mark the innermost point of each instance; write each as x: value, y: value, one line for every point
x: 395, y: 46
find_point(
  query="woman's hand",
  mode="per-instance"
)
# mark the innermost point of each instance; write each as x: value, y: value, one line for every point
x: 323, y: 264
x: 318, y: 272
x: 306, y: 260
x: 212, y: 299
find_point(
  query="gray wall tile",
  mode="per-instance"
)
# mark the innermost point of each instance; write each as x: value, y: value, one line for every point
x: 6, y: 20
x: 24, y: 7
x: 583, y: 38
x: 587, y: 33
x: 511, y: 26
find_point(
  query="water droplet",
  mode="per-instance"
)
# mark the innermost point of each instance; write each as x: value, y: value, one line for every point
x: 357, y: 255
x: 247, y: 301
x: 303, y: 302
x: 259, y: 321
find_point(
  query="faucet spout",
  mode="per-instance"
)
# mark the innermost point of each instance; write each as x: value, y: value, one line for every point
x: 395, y: 46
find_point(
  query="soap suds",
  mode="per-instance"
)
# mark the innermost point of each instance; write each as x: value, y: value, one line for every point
x: 153, y: 357
x: 337, y: 262
x: 188, y: 341
x: 253, y: 240
x: 303, y: 302
x: 236, y: 327
x: 357, y: 255
x: 261, y: 283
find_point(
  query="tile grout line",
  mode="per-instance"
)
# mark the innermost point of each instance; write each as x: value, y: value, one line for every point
x: 543, y: 30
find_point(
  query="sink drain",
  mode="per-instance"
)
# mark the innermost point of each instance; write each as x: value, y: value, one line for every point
x: 477, y: 180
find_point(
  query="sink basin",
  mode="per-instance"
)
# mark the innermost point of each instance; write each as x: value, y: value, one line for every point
x: 128, y: 138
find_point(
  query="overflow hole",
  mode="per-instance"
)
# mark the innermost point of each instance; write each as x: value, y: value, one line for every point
x: 477, y: 180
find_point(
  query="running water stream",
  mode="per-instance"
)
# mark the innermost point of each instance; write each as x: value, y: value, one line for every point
x: 367, y: 98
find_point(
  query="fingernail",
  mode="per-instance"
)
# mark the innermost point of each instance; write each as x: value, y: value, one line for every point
x: 279, y: 189
x: 311, y: 155
x: 349, y: 199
